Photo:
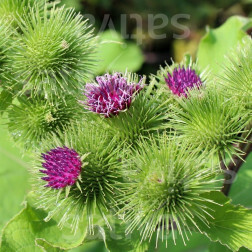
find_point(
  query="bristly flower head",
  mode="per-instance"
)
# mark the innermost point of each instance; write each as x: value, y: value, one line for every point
x: 111, y: 94
x: 182, y: 79
x: 84, y: 174
x: 55, y: 53
x: 167, y: 186
x: 33, y: 120
x: 178, y: 79
x: 62, y: 167
x: 209, y: 120
x: 237, y: 74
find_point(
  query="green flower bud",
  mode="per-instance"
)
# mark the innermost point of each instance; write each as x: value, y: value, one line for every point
x: 166, y: 189
x: 35, y: 119
x: 98, y: 185
x: 55, y: 52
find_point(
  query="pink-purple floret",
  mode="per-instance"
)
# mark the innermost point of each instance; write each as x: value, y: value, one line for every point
x: 181, y: 80
x: 111, y: 94
x: 62, y: 167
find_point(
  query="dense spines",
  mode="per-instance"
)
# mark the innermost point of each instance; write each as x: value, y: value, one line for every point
x: 14, y: 10
x: 5, y: 45
x: 166, y: 189
x: 55, y: 53
x: 210, y: 121
x: 237, y: 75
x: 145, y: 116
x: 33, y: 120
x: 100, y: 179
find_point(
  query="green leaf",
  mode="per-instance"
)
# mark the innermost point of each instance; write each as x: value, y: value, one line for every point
x: 115, y: 54
x: 197, y: 243
x: 5, y: 100
x: 218, y: 42
x: 231, y: 225
x: 13, y: 177
x: 241, y: 189
x: 28, y: 231
x: 46, y: 246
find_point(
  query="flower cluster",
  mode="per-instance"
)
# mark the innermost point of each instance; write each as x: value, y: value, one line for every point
x: 181, y: 80
x: 112, y: 94
x: 62, y: 167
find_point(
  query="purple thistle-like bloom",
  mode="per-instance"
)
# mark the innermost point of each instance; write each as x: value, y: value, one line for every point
x: 62, y: 167
x: 181, y: 80
x: 111, y: 95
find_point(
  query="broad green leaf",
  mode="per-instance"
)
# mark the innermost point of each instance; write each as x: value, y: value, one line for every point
x: 94, y: 246
x: 218, y: 42
x: 13, y: 177
x: 231, y: 225
x: 197, y: 243
x: 241, y: 189
x: 115, y: 54
x: 46, y: 246
x: 5, y: 100
x: 28, y: 231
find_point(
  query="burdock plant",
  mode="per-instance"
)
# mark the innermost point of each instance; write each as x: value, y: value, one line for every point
x: 54, y: 53
x: 119, y: 153
x: 78, y: 174
x: 127, y: 105
x: 33, y: 120
x: 167, y: 186
x: 237, y: 75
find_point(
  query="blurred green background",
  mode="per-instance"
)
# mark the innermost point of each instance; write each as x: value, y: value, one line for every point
x: 144, y: 58
x: 108, y: 14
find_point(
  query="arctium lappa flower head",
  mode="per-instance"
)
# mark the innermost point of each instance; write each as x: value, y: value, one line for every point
x: 211, y: 121
x: 167, y: 186
x: 78, y: 175
x: 178, y: 79
x: 237, y: 75
x: 111, y: 94
x: 62, y: 167
x: 55, y: 52
x: 182, y: 79
x: 32, y: 120
x: 131, y: 108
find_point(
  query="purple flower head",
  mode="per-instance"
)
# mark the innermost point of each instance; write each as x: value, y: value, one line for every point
x: 62, y: 167
x: 181, y: 80
x: 112, y: 94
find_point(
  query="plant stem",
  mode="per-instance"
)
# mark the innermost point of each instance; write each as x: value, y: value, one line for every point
x: 236, y: 164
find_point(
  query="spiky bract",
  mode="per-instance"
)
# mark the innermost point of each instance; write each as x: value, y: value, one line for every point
x: 211, y: 122
x: 167, y: 186
x: 14, y: 10
x: 33, y: 120
x: 145, y: 116
x: 55, y: 52
x: 5, y: 45
x: 100, y: 178
x: 237, y: 74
